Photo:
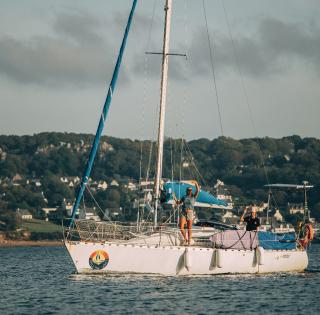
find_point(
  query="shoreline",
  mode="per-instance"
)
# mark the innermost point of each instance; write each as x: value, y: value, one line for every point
x: 18, y: 243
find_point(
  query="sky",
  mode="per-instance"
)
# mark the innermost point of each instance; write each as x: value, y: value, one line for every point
x: 57, y: 59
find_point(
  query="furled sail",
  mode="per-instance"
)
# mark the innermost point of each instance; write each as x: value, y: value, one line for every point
x: 204, y: 199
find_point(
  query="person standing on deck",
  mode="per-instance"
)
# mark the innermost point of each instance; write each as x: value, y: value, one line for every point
x: 253, y: 222
x: 187, y: 211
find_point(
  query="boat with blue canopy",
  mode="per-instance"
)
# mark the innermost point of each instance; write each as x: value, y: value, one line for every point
x: 157, y: 247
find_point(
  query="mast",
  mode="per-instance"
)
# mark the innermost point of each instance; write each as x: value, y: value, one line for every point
x: 306, y: 215
x: 268, y: 208
x: 103, y: 117
x: 163, y: 97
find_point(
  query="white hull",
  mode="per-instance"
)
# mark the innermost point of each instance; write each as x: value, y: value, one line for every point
x: 180, y: 260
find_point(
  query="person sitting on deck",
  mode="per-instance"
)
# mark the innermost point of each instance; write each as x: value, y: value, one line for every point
x: 187, y: 211
x: 253, y: 222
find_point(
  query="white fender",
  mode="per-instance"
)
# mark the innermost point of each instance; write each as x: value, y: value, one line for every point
x: 260, y: 255
x: 187, y: 258
x: 219, y: 259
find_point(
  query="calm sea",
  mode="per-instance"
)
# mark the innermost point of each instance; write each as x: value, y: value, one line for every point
x: 43, y: 281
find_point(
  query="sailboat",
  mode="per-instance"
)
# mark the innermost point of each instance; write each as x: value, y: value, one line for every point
x: 156, y: 248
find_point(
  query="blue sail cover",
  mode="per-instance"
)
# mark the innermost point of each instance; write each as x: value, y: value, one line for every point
x: 270, y: 240
x: 179, y: 189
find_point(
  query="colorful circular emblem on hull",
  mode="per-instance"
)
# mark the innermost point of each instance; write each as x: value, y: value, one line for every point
x: 98, y: 259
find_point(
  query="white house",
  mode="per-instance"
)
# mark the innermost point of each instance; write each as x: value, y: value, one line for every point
x: 114, y: 183
x: 24, y: 214
x: 102, y: 185
x: 278, y: 215
x: 295, y: 208
x: 89, y: 214
x: 132, y: 186
x: 222, y: 193
x: 34, y: 181
x: 67, y: 206
x: 48, y: 210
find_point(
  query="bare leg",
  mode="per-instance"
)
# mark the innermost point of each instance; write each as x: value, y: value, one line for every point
x: 182, y: 224
x: 189, y: 226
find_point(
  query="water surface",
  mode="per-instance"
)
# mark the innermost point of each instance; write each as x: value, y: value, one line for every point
x: 43, y: 281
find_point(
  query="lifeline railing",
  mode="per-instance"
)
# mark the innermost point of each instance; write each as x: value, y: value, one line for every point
x: 164, y: 235
x: 101, y: 231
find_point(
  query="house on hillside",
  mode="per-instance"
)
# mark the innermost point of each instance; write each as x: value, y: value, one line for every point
x: 17, y: 180
x: 222, y: 193
x: 3, y: 154
x: 131, y: 186
x: 24, y: 214
x: 295, y: 208
x: 88, y: 214
x: 5, y: 182
x: 71, y: 181
x: 278, y: 216
x: 114, y: 183
x: 112, y: 213
x: 102, y: 185
x: 104, y: 147
x: 34, y: 181
x: 47, y: 211
x: 67, y: 205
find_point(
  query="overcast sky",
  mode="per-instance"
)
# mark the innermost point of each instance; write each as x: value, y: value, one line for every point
x: 57, y: 58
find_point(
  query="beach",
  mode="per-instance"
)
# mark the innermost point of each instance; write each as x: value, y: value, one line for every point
x: 23, y: 243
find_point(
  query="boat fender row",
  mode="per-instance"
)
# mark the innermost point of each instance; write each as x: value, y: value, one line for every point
x: 216, y: 261
x: 260, y: 255
x: 187, y: 258
x: 218, y: 258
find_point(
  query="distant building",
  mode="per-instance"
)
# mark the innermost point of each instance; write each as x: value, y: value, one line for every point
x: 3, y: 154
x: 104, y: 147
x: 89, y: 214
x: 17, y: 180
x: 131, y: 186
x: 67, y: 206
x: 102, y: 185
x: 112, y: 213
x: 34, y: 181
x: 295, y: 208
x: 222, y: 193
x: 114, y: 183
x: 24, y: 214
x: 47, y: 211
x: 71, y: 181
x: 278, y: 215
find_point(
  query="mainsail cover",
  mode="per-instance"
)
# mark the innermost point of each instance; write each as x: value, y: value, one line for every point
x: 204, y: 199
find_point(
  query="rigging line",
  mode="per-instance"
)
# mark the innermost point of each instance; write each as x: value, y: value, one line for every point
x: 194, y: 164
x: 186, y: 90
x: 172, y: 159
x: 243, y: 85
x: 145, y: 98
x: 146, y: 60
x: 212, y: 66
x: 96, y: 202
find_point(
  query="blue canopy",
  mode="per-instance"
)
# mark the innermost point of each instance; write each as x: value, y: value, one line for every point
x: 204, y: 198
x: 270, y: 240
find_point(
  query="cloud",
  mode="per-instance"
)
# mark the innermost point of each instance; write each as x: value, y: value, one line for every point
x: 76, y: 55
x: 273, y: 49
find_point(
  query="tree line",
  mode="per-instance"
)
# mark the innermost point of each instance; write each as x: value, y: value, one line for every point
x: 245, y: 166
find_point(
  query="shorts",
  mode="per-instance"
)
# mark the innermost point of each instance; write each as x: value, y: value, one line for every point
x: 188, y: 215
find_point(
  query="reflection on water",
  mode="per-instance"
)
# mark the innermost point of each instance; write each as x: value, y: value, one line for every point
x: 43, y: 281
